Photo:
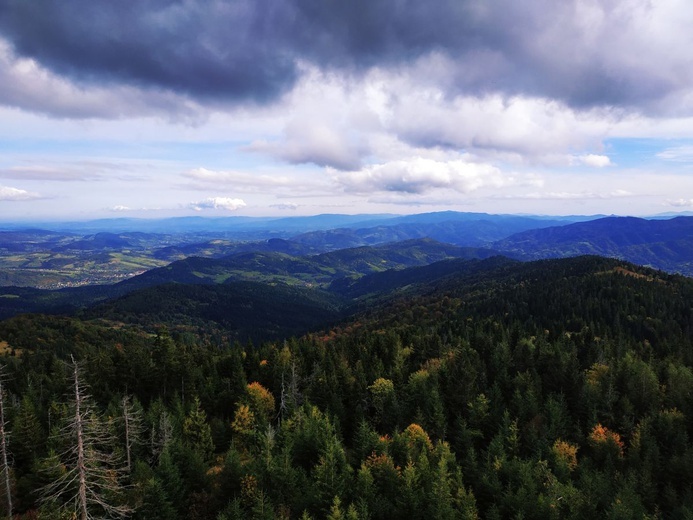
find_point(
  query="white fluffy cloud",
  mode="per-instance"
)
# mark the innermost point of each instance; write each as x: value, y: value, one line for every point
x: 520, y: 129
x: 594, y: 160
x: 390, y: 114
x: 330, y: 123
x: 419, y: 175
x: 225, y: 203
x: 313, y: 142
x: 8, y: 193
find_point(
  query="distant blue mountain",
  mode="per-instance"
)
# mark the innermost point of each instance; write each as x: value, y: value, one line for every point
x: 662, y: 244
x: 265, y: 226
x: 457, y: 229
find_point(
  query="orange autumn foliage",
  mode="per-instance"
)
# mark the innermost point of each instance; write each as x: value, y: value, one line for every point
x: 602, y: 436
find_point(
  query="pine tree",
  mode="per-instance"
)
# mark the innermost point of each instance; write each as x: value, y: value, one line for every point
x: 336, y: 510
x: 155, y: 503
x: 28, y: 434
x: 197, y: 432
x: 332, y: 473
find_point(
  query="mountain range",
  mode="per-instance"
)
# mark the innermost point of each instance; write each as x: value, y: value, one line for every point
x: 313, y: 270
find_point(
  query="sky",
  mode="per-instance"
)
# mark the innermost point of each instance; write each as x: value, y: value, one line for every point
x: 159, y: 108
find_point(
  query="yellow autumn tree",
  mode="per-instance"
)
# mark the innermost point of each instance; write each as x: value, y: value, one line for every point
x: 417, y: 440
x: 243, y: 420
x: 385, y: 403
x: 565, y: 453
x: 260, y: 401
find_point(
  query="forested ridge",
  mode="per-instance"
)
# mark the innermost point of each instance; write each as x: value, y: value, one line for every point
x: 551, y: 389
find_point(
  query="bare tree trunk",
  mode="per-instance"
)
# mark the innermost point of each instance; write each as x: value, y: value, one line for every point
x: 3, y: 448
x: 132, y: 421
x: 81, y: 466
x: 126, y: 418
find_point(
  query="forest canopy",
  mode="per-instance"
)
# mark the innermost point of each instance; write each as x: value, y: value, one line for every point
x: 553, y: 389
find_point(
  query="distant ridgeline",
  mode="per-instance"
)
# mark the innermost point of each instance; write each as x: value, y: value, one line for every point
x: 79, y: 254
x: 471, y: 387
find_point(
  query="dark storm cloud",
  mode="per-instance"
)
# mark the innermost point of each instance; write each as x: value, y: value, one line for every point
x: 240, y: 50
x: 206, y: 49
x: 234, y: 48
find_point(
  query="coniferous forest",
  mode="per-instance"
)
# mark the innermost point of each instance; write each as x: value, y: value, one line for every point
x: 551, y: 389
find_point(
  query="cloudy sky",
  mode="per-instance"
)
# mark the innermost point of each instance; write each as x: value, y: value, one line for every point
x: 154, y: 108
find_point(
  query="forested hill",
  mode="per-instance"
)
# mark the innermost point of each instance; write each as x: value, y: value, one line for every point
x: 553, y: 389
x: 662, y: 244
x: 244, y: 311
x: 319, y: 269
x: 268, y: 265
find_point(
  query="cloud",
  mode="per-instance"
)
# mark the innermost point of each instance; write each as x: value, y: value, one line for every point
x: 29, y: 85
x: 518, y: 129
x: 595, y: 161
x: 8, y: 193
x: 624, y: 53
x: 677, y: 154
x: 285, y: 205
x: 307, y: 142
x: 283, y: 184
x: 226, y: 203
x: 404, y: 199
x: 330, y: 124
x: 127, y: 209
x: 205, y: 49
x: 206, y: 178
x: 49, y: 173
x: 680, y: 203
x: 419, y: 175
x: 563, y: 195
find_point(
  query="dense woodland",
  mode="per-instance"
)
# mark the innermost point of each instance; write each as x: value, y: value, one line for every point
x: 552, y: 389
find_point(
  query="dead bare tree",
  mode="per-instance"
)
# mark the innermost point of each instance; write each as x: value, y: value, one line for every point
x: 161, y: 435
x: 132, y: 422
x: 3, y: 445
x: 89, y: 477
